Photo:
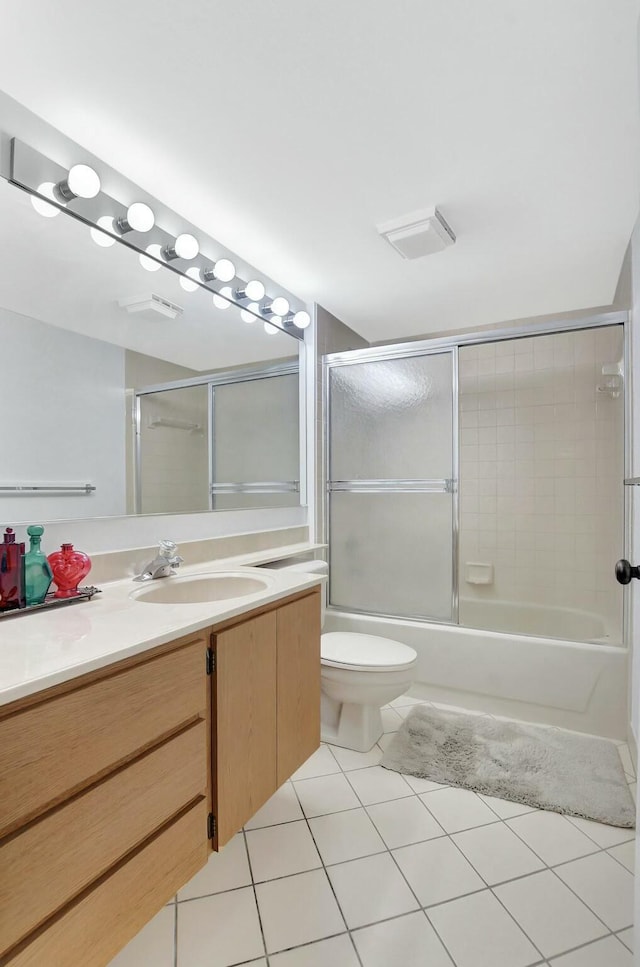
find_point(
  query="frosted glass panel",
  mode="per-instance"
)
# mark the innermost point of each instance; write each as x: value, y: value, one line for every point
x: 392, y: 553
x: 392, y: 419
x: 174, y: 457
x: 256, y: 438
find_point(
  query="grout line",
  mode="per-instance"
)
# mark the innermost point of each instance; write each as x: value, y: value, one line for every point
x: 424, y: 910
x: 328, y: 878
x: 255, y: 895
x: 175, y: 932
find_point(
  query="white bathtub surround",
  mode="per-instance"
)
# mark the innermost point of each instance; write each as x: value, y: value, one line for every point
x: 547, y: 768
x: 532, y: 890
x: 541, y: 463
x: 564, y: 683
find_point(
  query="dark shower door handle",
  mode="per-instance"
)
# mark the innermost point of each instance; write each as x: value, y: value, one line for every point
x: 626, y: 571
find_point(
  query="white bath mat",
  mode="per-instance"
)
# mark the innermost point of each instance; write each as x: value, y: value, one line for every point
x: 547, y: 768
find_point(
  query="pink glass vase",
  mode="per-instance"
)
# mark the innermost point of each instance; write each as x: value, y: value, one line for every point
x: 69, y: 568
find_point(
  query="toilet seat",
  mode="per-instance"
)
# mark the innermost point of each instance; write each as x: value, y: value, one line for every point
x: 347, y: 649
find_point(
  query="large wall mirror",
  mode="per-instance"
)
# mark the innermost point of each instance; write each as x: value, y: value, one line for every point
x: 122, y: 392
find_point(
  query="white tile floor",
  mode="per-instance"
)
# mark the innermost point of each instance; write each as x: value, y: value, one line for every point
x: 350, y: 865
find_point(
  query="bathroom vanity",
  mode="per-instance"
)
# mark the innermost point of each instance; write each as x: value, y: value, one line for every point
x: 117, y: 783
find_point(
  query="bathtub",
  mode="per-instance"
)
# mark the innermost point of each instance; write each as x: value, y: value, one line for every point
x: 536, y: 619
x: 579, y: 685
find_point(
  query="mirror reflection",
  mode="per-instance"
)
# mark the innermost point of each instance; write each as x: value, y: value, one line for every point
x: 123, y: 393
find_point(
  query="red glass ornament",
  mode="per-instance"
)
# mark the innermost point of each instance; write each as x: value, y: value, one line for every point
x: 69, y: 568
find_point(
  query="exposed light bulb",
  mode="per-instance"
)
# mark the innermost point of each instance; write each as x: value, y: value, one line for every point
x: 279, y: 306
x: 81, y: 182
x: 247, y: 316
x: 270, y: 329
x: 221, y: 303
x: 184, y: 247
x: 43, y: 207
x: 225, y: 270
x: 139, y: 218
x: 253, y: 290
x: 301, y: 319
x: 150, y: 264
x: 187, y: 284
x: 104, y: 241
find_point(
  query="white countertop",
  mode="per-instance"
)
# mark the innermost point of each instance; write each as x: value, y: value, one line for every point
x: 44, y: 648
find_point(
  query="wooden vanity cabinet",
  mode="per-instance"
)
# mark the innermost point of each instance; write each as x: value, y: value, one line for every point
x: 109, y: 782
x: 265, y: 706
x: 104, y: 798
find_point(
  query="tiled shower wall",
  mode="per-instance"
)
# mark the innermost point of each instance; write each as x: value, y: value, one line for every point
x: 541, y: 471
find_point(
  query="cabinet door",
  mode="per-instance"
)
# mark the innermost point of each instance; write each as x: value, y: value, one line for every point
x: 243, y: 723
x: 298, y: 683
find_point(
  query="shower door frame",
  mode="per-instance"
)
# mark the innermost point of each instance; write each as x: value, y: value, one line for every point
x: 390, y: 485
x: 440, y: 344
x: 228, y: 377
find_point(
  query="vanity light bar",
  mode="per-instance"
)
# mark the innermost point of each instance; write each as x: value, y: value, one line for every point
x: 78, y: 192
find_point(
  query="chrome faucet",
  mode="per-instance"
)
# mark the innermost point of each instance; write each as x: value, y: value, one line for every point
x: 163, y: 565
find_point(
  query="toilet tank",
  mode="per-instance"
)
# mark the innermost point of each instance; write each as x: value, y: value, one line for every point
x: 306, y: 567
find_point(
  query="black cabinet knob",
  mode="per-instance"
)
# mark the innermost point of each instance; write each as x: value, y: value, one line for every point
x: 626, y: 571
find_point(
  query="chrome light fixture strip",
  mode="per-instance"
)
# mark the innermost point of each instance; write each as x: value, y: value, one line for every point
x: 30, y: 169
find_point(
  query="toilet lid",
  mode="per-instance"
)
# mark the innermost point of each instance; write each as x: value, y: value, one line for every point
x: 365, y: 651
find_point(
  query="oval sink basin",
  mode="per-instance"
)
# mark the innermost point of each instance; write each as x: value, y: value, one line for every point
x: 200, y: 588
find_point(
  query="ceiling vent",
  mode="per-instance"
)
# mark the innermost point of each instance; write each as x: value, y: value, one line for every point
x: 151, y: 305
x: 420, y: 233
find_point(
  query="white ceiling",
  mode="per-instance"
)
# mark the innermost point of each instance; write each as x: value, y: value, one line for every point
x: 289, y: 129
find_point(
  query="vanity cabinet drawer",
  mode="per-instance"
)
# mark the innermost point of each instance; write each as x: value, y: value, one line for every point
x: 56, y: 857
x: 92, y: 929
x: 53, y: 749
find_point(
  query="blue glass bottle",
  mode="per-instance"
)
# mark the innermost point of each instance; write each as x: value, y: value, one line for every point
x: 37, y: 570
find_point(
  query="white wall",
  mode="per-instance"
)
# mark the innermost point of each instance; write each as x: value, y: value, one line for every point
x: 62, y: 419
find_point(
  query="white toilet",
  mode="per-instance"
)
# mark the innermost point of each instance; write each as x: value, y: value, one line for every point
x: 360, y: 674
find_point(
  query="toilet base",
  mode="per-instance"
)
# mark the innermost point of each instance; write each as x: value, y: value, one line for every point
x: 350, y: 726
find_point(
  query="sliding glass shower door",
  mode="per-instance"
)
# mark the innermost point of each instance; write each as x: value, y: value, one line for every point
x: 391, y: 485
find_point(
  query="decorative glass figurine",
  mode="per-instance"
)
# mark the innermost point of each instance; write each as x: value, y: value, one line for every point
x: 69, y: 568
x: 37, y: 570
x: 11, y: 572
